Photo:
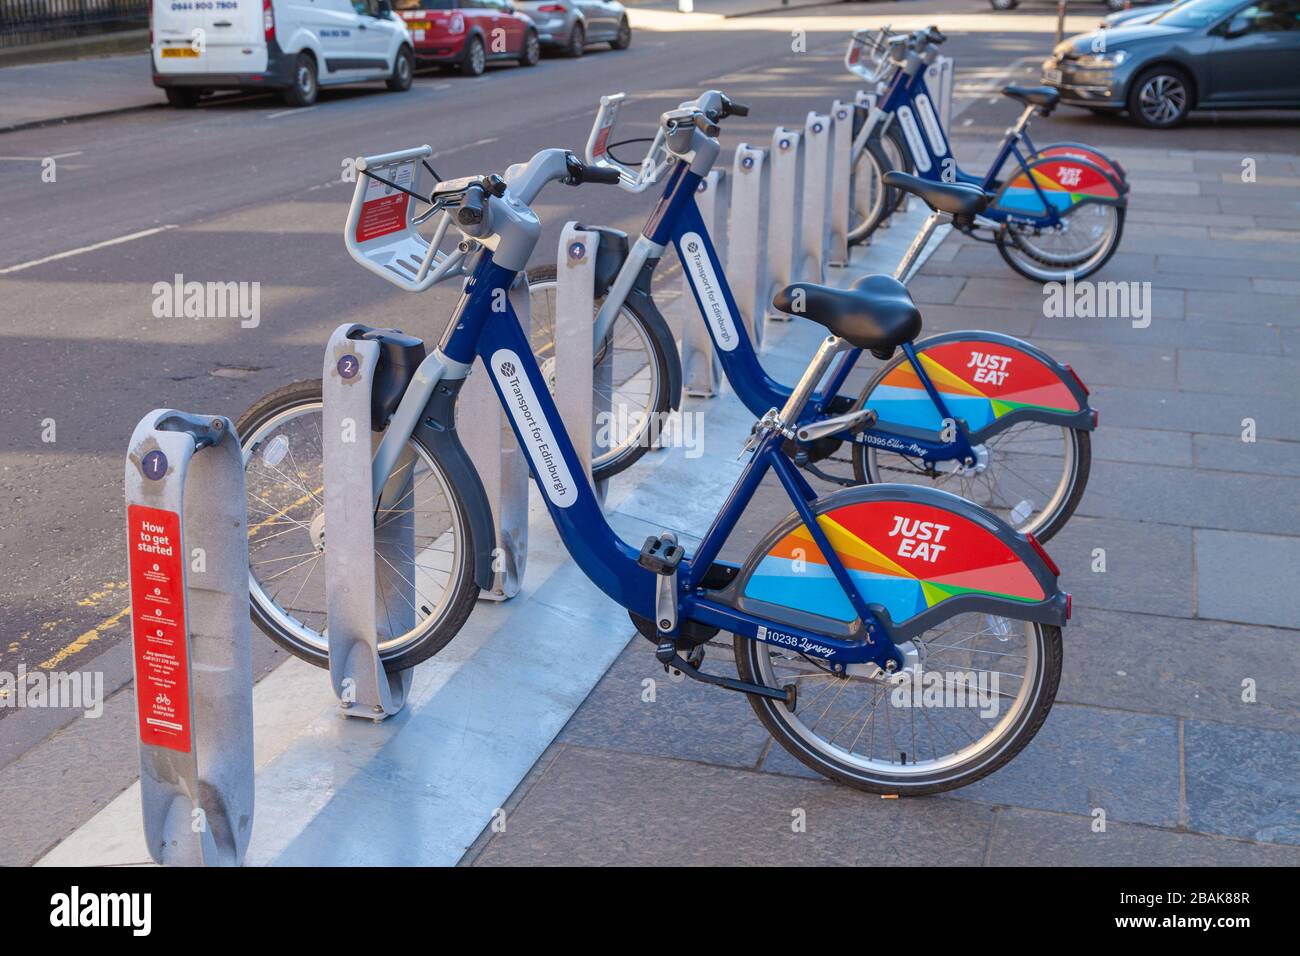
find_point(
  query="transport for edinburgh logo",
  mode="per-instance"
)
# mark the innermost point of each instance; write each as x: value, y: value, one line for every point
x: 508, y: 369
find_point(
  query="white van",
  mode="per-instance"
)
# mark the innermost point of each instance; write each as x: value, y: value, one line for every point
x: 295, y: 46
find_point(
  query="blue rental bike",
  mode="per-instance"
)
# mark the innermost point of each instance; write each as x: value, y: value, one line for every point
x: 1058, y: 212
x: 897, y: 639
x: 985, y: 415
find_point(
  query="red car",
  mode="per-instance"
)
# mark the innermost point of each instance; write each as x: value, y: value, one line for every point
x: 469, y: 33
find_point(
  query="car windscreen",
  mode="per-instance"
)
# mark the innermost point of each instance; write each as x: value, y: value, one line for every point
x: 1197, y: 13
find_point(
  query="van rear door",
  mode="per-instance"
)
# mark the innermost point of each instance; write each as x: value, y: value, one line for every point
x: 209, y: 36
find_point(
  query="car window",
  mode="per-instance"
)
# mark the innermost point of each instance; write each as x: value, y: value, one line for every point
x: 425, y: 5
x: 1271, y: 16
x: 1197, y: 13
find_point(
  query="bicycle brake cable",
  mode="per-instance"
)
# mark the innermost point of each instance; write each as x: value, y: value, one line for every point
x: 609, y: 148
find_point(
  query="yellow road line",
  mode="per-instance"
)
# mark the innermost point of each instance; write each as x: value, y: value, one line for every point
x: 89, y: 637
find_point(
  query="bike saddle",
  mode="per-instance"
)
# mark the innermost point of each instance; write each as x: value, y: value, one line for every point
x: 874, y: 313
x: 1041, y: 96
x: 961, y: 200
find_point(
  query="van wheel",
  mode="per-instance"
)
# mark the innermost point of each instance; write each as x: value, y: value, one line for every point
x: 532, y: 51
x: 181, y: 97
x: 403, y: 71
x: 577, y: 44
x: 304, y: 89
x: 1004, y: 4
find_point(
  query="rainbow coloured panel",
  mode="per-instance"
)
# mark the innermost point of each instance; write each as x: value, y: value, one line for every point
x: 979, y: 382
x: 902, y: 555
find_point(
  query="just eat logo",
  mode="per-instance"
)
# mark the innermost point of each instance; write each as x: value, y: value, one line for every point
x: 992, y: 369
x: 919, y: 539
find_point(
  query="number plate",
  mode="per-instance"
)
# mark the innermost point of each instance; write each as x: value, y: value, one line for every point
x: 418, y: 24
x: 180, y: 51
x: 1052, y: 77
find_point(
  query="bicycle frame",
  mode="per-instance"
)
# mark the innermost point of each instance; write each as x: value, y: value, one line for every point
x: 495, y: 336
x: 908, y: 99
x: 676, y: 219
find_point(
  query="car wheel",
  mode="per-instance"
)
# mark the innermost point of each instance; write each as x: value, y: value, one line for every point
x: 577, y: 41
x: 403, y: 71
x: 1160, y: 98
x: 304, y: 89
x: 532, y: 50
x: 1004, y: 4
x: 181, y: 97
x: 475, y: 61
x: 1115, y: 6
x: 623, y: 39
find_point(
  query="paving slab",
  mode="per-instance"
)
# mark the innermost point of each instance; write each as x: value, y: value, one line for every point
x: 600, y: 808
x: 1242, y: 782
x: 1086, y: 758
x: 1169, y: 665
x: 1264, y: 457
x: 1248, y: 577
x: 1027, y: 838
x: 1148, y: 567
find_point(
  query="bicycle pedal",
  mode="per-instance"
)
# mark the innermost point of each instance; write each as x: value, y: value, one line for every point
x: 665, y: 652
x: 661, y: 554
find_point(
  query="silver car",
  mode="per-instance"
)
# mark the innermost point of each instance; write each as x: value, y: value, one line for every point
x: 569, y: 25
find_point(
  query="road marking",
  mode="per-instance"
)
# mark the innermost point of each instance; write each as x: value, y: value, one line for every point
x: 295, y: 111
x: 91, y: 248
x: 94, y: 634
x: 36, y: 159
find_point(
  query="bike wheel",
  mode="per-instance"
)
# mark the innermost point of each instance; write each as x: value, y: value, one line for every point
x: 280, y: 436
x: 1082, y: 244
x: 637, y: 398
x: 1032, y: 475
x: 895, y: 147
x: 870, y: 200
x: 866, y: 731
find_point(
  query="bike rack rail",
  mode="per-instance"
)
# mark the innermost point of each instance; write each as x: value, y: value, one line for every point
x: 785, y: 238
x: 501, y: 467
x: 815, y: 204
x: 576, y: 375
x: 187, y: 540
x: 701, y: 369
x: 841, y: 179
x: 747, y: 237
x: 352, y: 591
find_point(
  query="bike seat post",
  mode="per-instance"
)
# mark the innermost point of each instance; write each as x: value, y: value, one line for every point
x: 831, y: 346
x: 932, y: 222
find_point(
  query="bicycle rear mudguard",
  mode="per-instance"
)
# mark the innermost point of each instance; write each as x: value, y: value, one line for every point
x: 918, y: 556
x: 987, y: 379
x: 1063, y: 182
x: 1092, y: 155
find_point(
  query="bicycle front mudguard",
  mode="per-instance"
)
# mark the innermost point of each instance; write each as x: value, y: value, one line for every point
x: 918, y: 556
x: 1050, y: 185
x: 987, y: 379
x: 437, y: 431
x: 1092, y: 155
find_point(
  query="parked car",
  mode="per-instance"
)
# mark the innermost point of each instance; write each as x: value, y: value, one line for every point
x: 1207, y: 54
x: 569, y: 25
x: 295, y: 46
x: 469, y: 34
x: 1135, y: 14
x: 1012, y: 4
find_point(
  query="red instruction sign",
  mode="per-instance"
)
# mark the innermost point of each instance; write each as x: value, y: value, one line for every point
x: 383, y: 210
x: 162, y: 691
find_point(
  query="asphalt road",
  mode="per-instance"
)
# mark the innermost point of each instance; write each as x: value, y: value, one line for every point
x: 243, y: 190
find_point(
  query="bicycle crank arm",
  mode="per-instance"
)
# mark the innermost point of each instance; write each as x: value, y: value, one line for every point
x: 668, y: 656
x: 848, y: 422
